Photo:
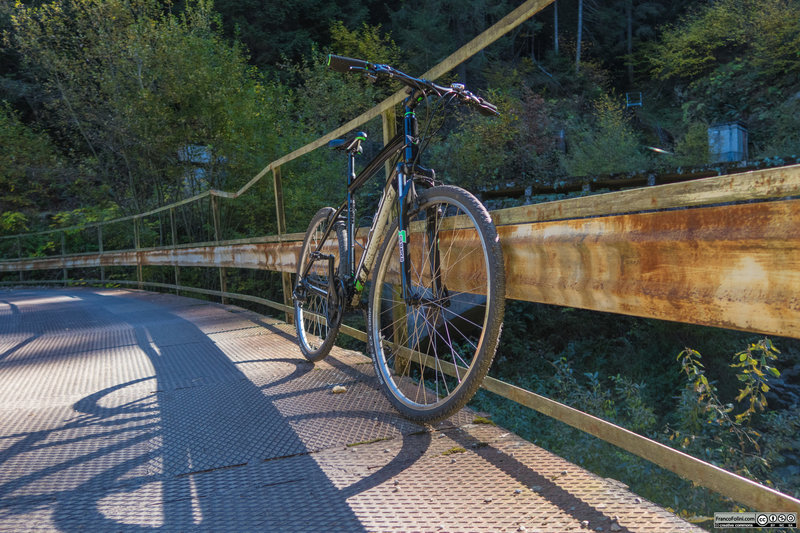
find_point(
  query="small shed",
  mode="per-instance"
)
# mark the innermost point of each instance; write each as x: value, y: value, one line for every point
x: 727, y: 142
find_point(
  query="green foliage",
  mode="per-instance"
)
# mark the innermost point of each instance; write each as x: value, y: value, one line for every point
x: 287, y: 31
x: 736, y: 60
x: 483, y: 152
x: 637, y: 415
x: 430, y: 31
x: 131, y: 86
x: 622, y: 403
x: 701, y: 41
x: 755, y: 363
x: 764, y: 33
x: 626, y: 380
x: 85, y: 215
x: 368, y: 42
x: 323, y: 101
x: 326, y: 99
x: 12, y: 222
x: 692, y: 148
x: 709, y: 427
x: 29, y: 168
x: 477, y: 153
x: 783, y: 122
x: 604, y: 145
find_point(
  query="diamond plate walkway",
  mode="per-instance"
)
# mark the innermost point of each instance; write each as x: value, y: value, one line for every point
x: 133, y: 411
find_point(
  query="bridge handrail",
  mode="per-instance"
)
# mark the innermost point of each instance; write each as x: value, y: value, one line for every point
x: 758, y: 185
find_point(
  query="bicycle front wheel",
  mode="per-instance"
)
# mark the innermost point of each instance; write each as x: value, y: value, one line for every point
x: 316, y: 315
x: 432, y: 347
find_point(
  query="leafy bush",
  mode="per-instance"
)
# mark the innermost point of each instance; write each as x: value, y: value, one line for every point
x: 692, y: 148
x: 735, y: 60
x: 703, y: 420
x: 707, y: 426
x: 29, y: 168
x: 129, y: 86
x: 604, y: 144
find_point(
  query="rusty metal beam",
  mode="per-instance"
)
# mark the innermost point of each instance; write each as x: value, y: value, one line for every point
x: 263, y: 256
x: 735, y: 266
x: 732, y: 266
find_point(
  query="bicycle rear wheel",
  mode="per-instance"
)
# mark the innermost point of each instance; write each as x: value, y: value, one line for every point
x: 432, y: 349
x: 317, y: 318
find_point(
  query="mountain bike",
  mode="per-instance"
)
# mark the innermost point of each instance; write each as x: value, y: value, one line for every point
x: 430, y: 266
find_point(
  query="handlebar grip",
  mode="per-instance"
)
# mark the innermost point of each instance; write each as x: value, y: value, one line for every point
x: 490, y: 110
x: 346, y: 64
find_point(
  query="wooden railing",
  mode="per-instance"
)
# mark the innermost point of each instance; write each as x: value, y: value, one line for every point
x: 720, y: 251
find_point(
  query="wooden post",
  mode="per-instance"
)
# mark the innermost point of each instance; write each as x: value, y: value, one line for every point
x: 280, y: 215
x: 160, y: 230
x: 223, y: 286
x: 63, y: 255
x: 136, y: 244
x: 100, y: 248
x: 389, y: 121
x: 19, y: 254
x: 174, y: 244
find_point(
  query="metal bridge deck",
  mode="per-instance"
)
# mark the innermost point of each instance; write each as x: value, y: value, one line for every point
x: 133, y: 411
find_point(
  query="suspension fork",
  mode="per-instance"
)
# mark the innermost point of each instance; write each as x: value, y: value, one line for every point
x: 404, y: 182
x: 433, y: 217
x: 403, y: 188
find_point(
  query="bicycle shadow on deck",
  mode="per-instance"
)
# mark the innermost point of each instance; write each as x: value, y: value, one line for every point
x: 193, y: 446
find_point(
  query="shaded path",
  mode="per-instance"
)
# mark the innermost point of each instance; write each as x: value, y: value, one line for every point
x: 131, y: 411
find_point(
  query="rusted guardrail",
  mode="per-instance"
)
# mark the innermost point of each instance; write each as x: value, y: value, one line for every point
x: 735, y: 265
x: 720, y: 251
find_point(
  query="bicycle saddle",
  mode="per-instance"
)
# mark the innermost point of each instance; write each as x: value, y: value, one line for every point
x: 351, y: 143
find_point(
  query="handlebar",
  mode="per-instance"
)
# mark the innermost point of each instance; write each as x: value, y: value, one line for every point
x: 348, y: 64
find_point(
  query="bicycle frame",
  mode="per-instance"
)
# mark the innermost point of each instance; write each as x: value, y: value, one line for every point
x: 397, y: 188
x: 419, y: 332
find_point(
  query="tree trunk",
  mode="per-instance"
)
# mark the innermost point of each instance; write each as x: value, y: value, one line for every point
x: 73, y: 114
x: 580, y: 31
x: 461, y: 69
x: 555, y: 26
x: 629, y: 15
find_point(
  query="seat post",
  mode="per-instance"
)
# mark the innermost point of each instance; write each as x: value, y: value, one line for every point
x: 351, y: 167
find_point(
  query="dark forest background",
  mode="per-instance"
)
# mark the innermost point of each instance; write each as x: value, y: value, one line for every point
x: 114, y: 107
